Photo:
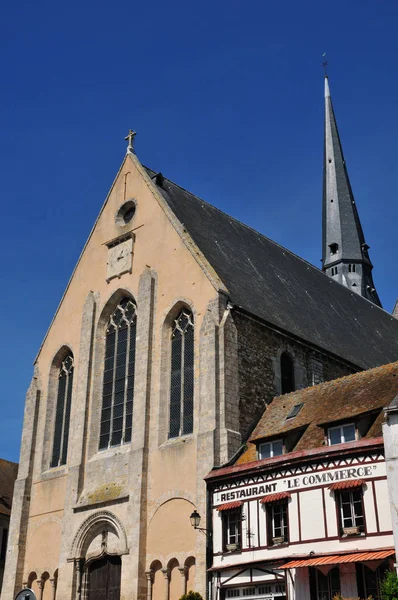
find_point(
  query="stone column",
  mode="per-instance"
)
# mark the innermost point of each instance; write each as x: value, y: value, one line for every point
x: 166, y: 583
x: 53, y: 582
x: 78, y: 573
x: 184, y: 573
x: 40, y: 585
x: 149, y: 579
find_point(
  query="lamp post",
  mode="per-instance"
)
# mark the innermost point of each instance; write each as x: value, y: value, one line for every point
x: 195, y: 519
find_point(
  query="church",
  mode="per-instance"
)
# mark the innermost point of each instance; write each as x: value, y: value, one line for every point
x: 178, y: 326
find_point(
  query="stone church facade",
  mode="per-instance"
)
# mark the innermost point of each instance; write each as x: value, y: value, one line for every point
x: 179, y: 324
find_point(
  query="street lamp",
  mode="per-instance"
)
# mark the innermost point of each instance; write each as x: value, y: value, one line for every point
x: 195, y: 519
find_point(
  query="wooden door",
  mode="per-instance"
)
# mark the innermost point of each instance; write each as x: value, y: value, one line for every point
x: 104, y: 579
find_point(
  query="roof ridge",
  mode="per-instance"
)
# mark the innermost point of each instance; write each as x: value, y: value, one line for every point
x: 303, y: 260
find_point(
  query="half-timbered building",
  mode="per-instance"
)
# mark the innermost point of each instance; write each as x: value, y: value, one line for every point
x: 304, y: 511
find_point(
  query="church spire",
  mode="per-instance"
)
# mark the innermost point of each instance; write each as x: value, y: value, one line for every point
x: 345, y: 253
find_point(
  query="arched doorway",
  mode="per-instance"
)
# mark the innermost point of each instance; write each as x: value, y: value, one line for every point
x: 103, y: 581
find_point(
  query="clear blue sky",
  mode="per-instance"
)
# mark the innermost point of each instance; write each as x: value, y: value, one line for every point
x: 227, y: 99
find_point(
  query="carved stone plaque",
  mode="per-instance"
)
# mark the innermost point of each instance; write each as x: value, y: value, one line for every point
x: 120, y: 257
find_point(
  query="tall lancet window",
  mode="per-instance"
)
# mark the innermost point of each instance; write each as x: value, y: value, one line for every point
x: 182, y: 376
x: 62, y: 412
x: 287, y: 374
x: 118, y: 384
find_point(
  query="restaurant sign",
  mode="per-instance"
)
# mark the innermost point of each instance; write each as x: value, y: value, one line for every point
x: 322, y: 477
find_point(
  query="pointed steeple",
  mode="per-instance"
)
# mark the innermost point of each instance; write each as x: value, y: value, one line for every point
x: 345, y: 253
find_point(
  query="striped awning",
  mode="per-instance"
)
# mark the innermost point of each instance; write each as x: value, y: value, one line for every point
x: 230, y: 505
x: 275, y: 497
x: 338, y: 559
x: 344, y: 485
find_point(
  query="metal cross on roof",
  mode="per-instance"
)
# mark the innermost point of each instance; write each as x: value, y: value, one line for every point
x: 130, y: 139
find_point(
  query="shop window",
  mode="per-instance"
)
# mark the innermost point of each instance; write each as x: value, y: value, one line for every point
x: 324, y: 587
x: 270, y: 449
x: 341, y: 434
x: 351, y: 511
x: 369, y: 580
x: 232, y: 529
x: 287, y: 374
x: 277, y: 519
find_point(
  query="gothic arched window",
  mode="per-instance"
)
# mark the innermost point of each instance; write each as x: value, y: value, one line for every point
x: 62, y: 412
x: 287, y: 374
x: 118, y: 384
x: 182, y: 376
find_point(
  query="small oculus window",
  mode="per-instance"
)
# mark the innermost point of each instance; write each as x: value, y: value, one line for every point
x: 270, y: 449
x: 125, y: 213
x: 341, y: 434
x: 295, y: 410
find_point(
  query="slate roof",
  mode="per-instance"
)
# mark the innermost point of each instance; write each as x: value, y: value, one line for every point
x: 8, y: 475
x: 272, y: 283
x: 327, y: 403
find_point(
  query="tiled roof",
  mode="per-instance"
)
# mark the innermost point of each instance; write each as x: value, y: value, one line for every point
x: 337, y: 400
x: 280, y: 288
x: 8, y: 475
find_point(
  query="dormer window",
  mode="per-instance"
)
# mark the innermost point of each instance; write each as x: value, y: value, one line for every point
x: 333, y: 248
x: 341, y: 434
x: 270, y: 449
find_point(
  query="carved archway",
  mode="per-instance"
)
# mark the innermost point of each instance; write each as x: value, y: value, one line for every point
x: 94, y: 526
x: 100, y: 536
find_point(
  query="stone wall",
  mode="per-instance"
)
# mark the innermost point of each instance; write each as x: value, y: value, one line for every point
x: 259, y: 351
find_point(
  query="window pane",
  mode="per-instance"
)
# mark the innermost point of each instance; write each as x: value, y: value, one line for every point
x: 277, y: 448
x: 349, y: 433
x: 265, y: 451
x: 335, y: 435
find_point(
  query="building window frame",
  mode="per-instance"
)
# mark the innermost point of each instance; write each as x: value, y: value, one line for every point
x: 232, y: 529
x: 275, y: 448
x: 118, y: 377
x: 277, y: 522
x: 182, y: 376
x: 62, y: 412
x: 324, y: 587
x: 365, y: 575
x: 342, y: 431
x: 351, y: 511
x: 287, y: 372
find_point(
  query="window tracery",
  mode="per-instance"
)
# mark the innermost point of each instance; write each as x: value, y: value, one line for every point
x: 182, y: 375
x: 62, y: 412
x: 118, y: 381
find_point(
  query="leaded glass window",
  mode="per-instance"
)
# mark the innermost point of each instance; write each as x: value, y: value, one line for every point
x: 118, y: 383
x: 182, y: 375
x: 62, y: 412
